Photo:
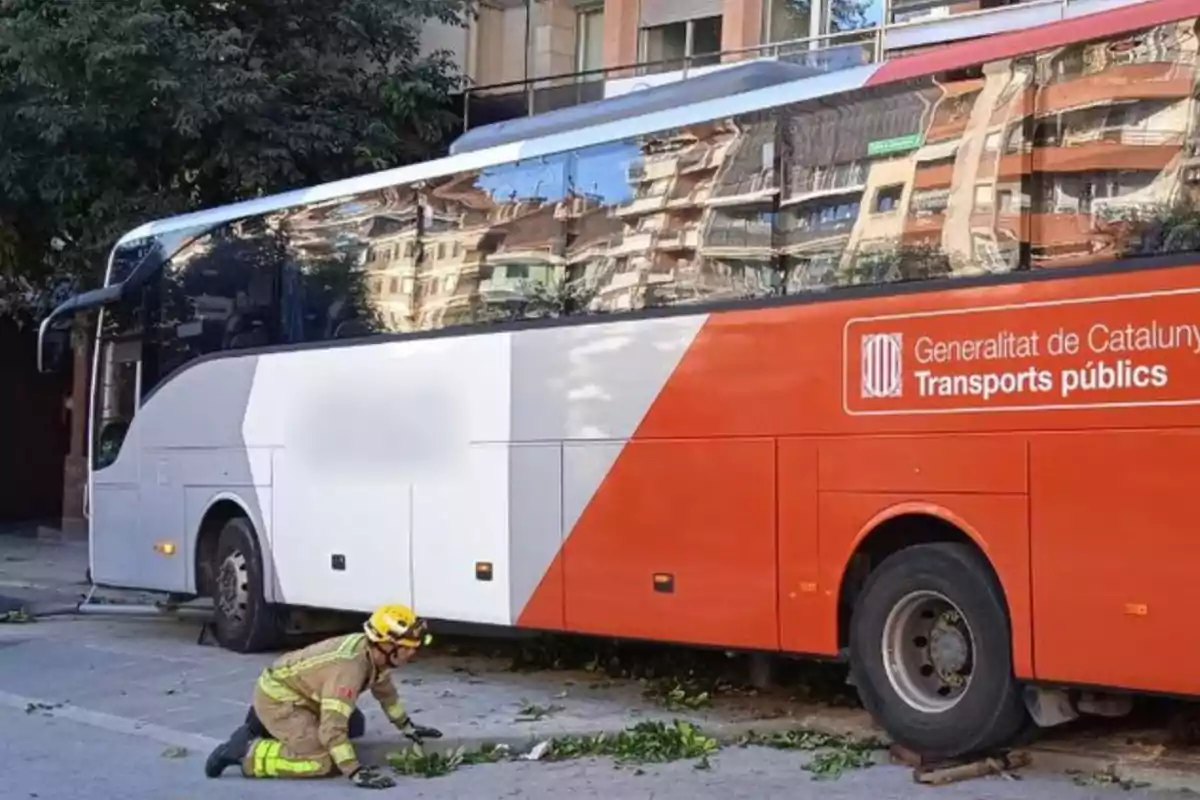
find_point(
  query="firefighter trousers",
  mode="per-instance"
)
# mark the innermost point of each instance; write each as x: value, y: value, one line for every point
x: 295, y: 751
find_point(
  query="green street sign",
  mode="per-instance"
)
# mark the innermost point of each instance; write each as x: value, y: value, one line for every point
x: 883, y: 147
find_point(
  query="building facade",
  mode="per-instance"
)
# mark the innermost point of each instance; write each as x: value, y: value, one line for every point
x: 530, y: 56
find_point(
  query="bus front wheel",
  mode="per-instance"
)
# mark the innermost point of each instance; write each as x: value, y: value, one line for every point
x: 931, y: 652
x: 243, y: 620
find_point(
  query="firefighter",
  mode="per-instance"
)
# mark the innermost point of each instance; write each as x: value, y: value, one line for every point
x: 306, y: 701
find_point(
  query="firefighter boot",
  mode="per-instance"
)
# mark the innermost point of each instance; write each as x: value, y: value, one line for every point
x: 228, y: 754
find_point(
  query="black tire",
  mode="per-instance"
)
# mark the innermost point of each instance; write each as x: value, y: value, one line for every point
x: 990, y: 712
x: 243, y: 621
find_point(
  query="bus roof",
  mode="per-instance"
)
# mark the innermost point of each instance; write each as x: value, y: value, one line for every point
x: 710, y: 86
x: 1005, y: 45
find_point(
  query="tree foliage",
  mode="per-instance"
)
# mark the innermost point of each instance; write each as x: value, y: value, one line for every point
x: 115, y: 112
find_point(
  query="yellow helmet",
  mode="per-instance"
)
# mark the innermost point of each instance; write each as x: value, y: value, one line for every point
x: 397, y: 624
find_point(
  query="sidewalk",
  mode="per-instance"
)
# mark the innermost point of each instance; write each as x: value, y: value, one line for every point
x: 48, y: 574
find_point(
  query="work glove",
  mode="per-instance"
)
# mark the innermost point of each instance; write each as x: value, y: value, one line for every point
x: 369, y: 778
x: 416, y: 733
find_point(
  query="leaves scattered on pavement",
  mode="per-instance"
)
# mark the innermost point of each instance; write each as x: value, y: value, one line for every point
x: 833, y: 755
x: 651, y: 742
x: 175, y: 752
x: 829, y: 765
x: 416, y: 762
x: 676, y: 696
x: 45, y: 708
x: 646, y: 742
x: 18, y: 617
x: 1106, y: 777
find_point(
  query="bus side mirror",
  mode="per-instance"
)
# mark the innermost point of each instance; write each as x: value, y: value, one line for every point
x: 59, y: 322
x: 54, y: 345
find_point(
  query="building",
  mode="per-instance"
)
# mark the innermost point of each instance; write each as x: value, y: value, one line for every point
x: 529, y: 56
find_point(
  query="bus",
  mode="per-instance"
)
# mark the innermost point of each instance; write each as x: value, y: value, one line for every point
x: 898, y: 364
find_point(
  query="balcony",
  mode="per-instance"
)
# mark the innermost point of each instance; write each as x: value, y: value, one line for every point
x: 798, y: 236
x: 1147, y: 81
x: 680, y: 239
x: 910, y: 25
x: 1104, y: 155
x: 924, y: 228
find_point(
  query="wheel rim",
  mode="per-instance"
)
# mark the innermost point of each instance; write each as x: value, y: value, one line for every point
x: 928, y: 652
x: 233, y: 587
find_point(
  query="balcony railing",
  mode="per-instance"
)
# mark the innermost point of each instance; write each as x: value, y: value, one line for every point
x: 909, y: 24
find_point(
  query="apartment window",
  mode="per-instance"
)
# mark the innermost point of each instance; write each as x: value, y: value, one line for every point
x: 694, y: 42
x: 983, y: 197
x: 589, y: 42
x: 888, y: 198
x: 786, y: 20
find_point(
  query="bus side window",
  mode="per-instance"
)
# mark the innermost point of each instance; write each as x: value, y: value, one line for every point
x: 116, y: 388
x: 348, y: 267
x: 218, y: 293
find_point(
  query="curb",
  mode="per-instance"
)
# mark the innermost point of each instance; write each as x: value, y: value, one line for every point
x: 1170, y: 774
x: 1044, y: 760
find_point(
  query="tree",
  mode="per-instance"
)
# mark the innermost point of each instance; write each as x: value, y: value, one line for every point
x: 115, y: 112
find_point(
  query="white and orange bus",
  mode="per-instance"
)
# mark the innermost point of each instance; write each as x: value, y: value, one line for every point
x: 898, y: 363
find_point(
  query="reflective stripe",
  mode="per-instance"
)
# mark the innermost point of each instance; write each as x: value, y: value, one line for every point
x: 271, y: 758
x: 275, y: 690
x: 394, y: 711
x: 268, y: 763
x: 343, y: 652
x: 342, y: 753
x: 258, y: 768
x: 336, y: 706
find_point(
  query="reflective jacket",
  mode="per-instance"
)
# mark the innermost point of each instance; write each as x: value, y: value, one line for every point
x: 327, y: 678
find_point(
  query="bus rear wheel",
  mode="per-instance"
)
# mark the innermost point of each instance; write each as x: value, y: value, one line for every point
x: 243, y: 620
x: 931, y: 652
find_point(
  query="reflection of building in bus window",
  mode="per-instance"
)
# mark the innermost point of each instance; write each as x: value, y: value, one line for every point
x: 691, y: 223
x: 339, y: 255
x: 908, y: 182
x: 1112, y: 127
x: 737, y: 254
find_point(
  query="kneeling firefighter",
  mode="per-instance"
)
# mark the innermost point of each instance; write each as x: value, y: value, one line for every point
x: 305, y: 712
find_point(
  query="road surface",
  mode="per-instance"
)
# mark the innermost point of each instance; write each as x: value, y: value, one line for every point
x: 115, y: 701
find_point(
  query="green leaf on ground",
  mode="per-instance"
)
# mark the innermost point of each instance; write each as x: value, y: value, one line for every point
x: 677, y: 696
x: 416, y: 762
x: 833, y: 754
x: 829, y: 765
x: 646, y: 742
